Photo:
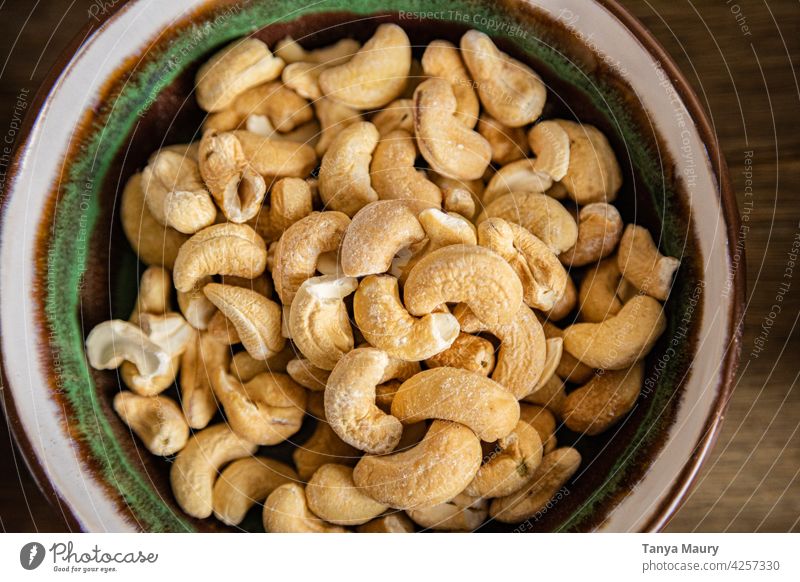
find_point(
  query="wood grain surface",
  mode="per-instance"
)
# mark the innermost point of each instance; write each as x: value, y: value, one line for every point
x: 741, y: 56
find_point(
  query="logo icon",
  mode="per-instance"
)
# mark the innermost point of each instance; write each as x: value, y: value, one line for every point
x: 31, y: 555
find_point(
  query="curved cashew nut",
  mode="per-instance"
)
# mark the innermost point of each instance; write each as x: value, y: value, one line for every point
x: 290, y: 200
x: 442, y: 59
x: 550, y: 144
x: 221, y: 249
x: 275, y: 158
x: 333, y: 496
x: 433, y: 472
x: 393, y: 174
x: 222, y: 330
x: 468, y: 352
x: 236, y: 187
x: 155, y: 291
x: 451, y: 148
x: 257, y: 320
x: 599, y: 231
x: 323, y: 447
x: 153, y: 243
x: 378, y: 232
x: 542, y: 215
x: 333, y: 118
x: 245, y: 367
x: 196, y: 467
x: 509, y: 144
x: 303, y: 79
x: 454, y: 394
x: 565, y: 305
x: 290, y: 51
x: 319, y: 323
x: 246, y: 482
x: 375, y: 75
x: 175, y: 194
x: 398, y: 115
x: 599, y: 296
x: 203, y: 356
x: 594, y: 174
x: 462, y: 513
x: 308, y: 375
x: 594, y: 407
x: 113, y: 342
x: 195, y: 306
x: 344, y: 178
x: 519, y: 176
x: 619, y: 341
x: 266, y: 109
x: 239, y: 66
x: 267, y: 410
x: 389, y: 523
x: 350, y: 402
x: 300, y: 247
x: 156, y: 420
x: 510, y: 464
x: 569, y: 367
x: 509, y: 90
x: 543, y: 421
x: 387, y: 325
x: 543, y: 278
x: 554, y: 471
x: 642, y: 264
x: 286, y: 511
x: 465, y: 273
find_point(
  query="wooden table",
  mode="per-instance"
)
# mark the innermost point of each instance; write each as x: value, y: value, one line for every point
x: 741, y: 56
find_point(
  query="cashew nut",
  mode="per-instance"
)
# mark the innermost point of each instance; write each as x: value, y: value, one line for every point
x: 468, y: 352
x: 433, y: 472
x: 442, y: 59
x: 290, y: 200
x: 550, y: 144
x: 599, y: 231
x: 565, y: 305
x: 246, y: 482
x: 286, y: 511
x: 621, y: 340
x: 642, y: 264
x: 509, y: 90
x: 450, y: 147
x: 303, y: 79
x: 155, y: 289
x: 594, y: 174
x: 333, y: 118
x: 393, y: 173
x: 519, y: 176
x: 389, y: 523
x: 275, y: 158
x: 399, y: 114
x: 473, y: 400
x: 462, y: 513
x: 222, y: 330
x: 194, y: 305
x: 203, y: 356
x: 156, y: 420
x: 543, y: 421
x: 319, y: 322
x: 308, y: 375
x: 196, y: 467
x: 113, y: 342
x: 375, y: 75
x: 599, y: 292
x: 323, y: 447
x: 569, y: 367
x: 344, y: 178
x: 290, y: 51
x: 509, y: 144
x: 333, y: 496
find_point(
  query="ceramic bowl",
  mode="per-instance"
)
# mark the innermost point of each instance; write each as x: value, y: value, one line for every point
x: 126, y: 90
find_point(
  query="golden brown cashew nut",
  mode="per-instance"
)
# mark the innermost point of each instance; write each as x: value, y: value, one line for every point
x: 565, y: 305
x: 642, y: 264
x: 462, y: 513
x: 596, y: 406
x: 523, y: 348
x: 599, y: 292
x: 519, y: 176
x: 442, y: 59
x: 543, y: 278
x: 221, y: 249
x: 619, y: 341
x: 323, y: 447
x: 464, y: 273
x: 266, y: 410
x: 246, y: 482
x: 387, y: 325
x: 398, y: 115
x: 156, y: 420
x: 549, y: 142
x: 378, y: 232
x: 175, y: 194
x: 307, y: 374
x: 319, y: 323
x: 389, y: 523
x: 333, y: 118
x: 433, y: 472
x: 234, y: 184
x: 594, y: 174
x: 544, y: 216
x: 153, y: 243
x: 275, y: 158
x: 155, y: 290
x: 333, y: 496
x: 202, y: 357
x: 599, y: 231
x: 475, y: 401
x: 195, y: 306
x: 290, y: 200
x: 196, y: 467
x: 236, y: 68
x: 509, y: 90
x: 468, y: 352
x: 569, y: 367
x: 350, y: 402
x: 300, y: 247
x: 286, y: 511
x: 543, y: 421
x: 303, y: 79
x: 257, y: 320
x: 510, y: 464
x: 344, y: 178
x: 375, y: 75
x: 554, y: 471
x: 222, y: 330
x: 450, y: 147
x: 393, y: 173
x: 290, y: 51
x: 509, y: 144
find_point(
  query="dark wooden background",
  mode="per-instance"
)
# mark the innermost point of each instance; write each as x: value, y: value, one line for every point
x: 747, y: 79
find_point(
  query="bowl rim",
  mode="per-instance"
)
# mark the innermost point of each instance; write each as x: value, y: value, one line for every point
x: 686, y: 478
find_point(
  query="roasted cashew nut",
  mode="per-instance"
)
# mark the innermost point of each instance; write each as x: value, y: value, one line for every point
x: 569, y: 367
x: 308, y: 375
x: 518, y: 176
x: 389, y: 523
x: 393, y: 174
x: 594, y: 174
x: 642, y: 264
x: 509, y: 144
x: 333, y: 118
x: 323, y: 447
x: 157, y: 420
x: 442, y: 59
x: 333, y: 496
x: 433, y: 472
x: 599, y: 231
x: 290, y: 51
x: 387, y: 325
x: 549, y: 142
x: 398, y: 115
x: 468, y: 352
x: 196, y: 467
x: 274, y: 158
x: 203, y: 356
x: 303, y: 79
x: 344, y: 178
x: 599, y: 296
x: 565, y: 305
x: 462, y: 513
x: 543, y: 421
x: 286, y: 511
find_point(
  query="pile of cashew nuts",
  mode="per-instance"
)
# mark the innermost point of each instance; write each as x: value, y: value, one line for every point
x: 413, y: 314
